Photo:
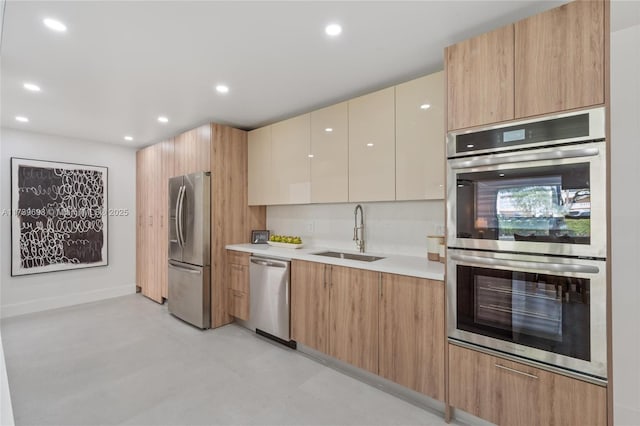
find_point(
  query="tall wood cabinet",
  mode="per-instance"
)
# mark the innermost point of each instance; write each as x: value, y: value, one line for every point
x: 152, y: 166
x: 221, y: 150
x: 390, y: 325
x: 550, y: 62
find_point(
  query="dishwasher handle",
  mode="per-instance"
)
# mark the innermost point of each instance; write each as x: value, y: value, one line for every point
x: 268, y: 263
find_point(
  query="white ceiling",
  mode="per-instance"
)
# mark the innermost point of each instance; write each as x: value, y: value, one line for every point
x: 122, y: 64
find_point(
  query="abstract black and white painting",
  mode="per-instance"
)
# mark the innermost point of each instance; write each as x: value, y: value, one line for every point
x: 59, y: 216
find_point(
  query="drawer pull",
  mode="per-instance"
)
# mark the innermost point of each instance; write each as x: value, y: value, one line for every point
x: 531, y: 376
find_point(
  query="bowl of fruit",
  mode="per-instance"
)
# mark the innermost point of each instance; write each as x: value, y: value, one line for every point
x: 285, y: 241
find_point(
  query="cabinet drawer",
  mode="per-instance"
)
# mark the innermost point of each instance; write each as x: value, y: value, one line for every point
x: 238, y: 257
x: 238, y: 304
x: 239, y: 277
x: 510, y: 393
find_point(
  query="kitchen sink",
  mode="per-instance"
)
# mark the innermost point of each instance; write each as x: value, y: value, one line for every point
x: 350, y: 256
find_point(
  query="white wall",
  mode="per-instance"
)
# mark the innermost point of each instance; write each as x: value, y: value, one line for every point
x: 31, y: 293
x: 391, y: 227
x: 625, y: 221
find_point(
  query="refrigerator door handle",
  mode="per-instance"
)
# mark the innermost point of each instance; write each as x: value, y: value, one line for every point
x: 177, y: 219
x: 181, y: 233
x: 179, y: 215
x: 183, y: 269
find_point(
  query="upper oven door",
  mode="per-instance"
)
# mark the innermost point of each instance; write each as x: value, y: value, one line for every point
x: 543, y: 201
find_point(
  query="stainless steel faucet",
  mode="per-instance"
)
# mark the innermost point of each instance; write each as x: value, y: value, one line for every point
x: 359, y: 239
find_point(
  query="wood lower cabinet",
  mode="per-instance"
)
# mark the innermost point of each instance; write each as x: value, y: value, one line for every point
x: 310, y: 304
x: 353, y: 316
x: 560, y: 59
x: 510, y: 393
x: 387, y: 324
x: 480, y: 79
x: 412, y: 333
x: 238, y: 279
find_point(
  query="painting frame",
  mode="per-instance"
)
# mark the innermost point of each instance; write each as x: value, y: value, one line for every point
x: 90, y: 242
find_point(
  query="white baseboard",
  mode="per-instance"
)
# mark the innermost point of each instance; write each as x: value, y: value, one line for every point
x: 44, y: 304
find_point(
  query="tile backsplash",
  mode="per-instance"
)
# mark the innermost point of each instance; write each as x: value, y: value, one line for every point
x: 399, y: 227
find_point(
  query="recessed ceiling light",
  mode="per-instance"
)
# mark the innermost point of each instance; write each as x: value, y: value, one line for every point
x: 55, y: 25
x: 501, y: 175
x: 31, y: 87
x: 163, y: 119
x: 460, y: 186
x: 470, y: 145
x: 328, y: 130
x: 310, y: 155
x: 369, y: 144
x: 128, y: 138
x: 333, y: 30
x: 425, y: 106
x: 22, y: 119
x: 221, y: 88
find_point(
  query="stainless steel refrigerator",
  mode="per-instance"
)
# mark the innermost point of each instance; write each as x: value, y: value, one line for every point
x: 189, y: 248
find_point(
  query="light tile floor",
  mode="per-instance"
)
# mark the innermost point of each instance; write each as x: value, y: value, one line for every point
x: 128, y: 361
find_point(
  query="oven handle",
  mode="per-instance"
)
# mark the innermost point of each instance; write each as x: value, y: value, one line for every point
x: 463, y: 163
x: 538, y: 266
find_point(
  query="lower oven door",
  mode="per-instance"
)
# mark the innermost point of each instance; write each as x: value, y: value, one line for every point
x: 548, y: 309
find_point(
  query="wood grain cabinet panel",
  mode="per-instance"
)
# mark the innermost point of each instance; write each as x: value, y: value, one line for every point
x: 420, y: 141
x: 372, y: 149
x: 238, y: 284
x: 353, y: 317
x: 260, y: 183
x: 330, y: 150
x: 510, y: 393
x: 559, y: 59
x: 310, y: 304
x: 480, y: 79
x: 412, y: 333
x: 290, y: 149
x: 192, y: 151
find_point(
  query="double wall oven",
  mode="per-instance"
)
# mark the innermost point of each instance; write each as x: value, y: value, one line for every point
x: 527, y: 241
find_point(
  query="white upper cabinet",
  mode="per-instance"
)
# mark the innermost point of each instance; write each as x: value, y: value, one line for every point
x: 330, y: 150
x: 420, y: 138
x: 290, y: 150
x: 372, y: 162
x: 259, y: 174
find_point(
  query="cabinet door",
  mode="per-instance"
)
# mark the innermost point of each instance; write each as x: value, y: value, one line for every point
x: 480, y: 79
x: 510, y: 393
x: 571, y: 402
x: 372, y: 149
x: 353, y: 317
x: 330, y: 150
x: 192, y: 151
x: 290, y: 149
x: 310, y: 304
x: 412, y: 333
x: 139, y: 217
x: 238, y: 282
x: 259, y: 173
x: 420, y: 138
x: 154, y: 256
x: 166, y: 171
x: 559, y: 59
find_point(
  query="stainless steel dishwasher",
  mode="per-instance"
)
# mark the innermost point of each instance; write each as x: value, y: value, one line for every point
x: 269, y: 297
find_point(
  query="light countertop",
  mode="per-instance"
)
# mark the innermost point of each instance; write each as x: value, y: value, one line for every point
x: 394, y: 264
